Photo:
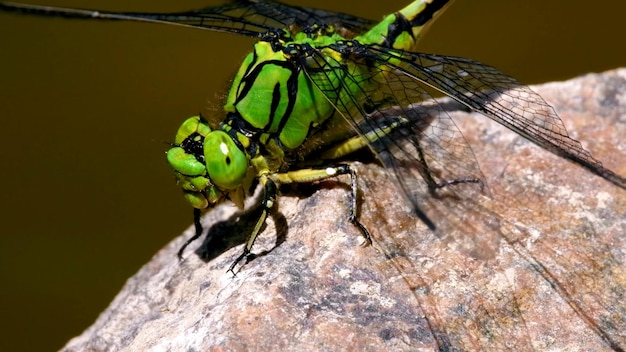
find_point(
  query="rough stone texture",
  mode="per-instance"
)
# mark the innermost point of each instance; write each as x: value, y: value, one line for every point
x: 546, y: 270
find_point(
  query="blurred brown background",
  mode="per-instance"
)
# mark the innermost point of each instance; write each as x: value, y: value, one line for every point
x: 86, y: 108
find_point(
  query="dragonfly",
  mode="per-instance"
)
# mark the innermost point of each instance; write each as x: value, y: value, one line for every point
x: 319, y: 87
x: 331, y: 84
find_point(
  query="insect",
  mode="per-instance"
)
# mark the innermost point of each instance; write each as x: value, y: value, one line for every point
x: 319, y: 86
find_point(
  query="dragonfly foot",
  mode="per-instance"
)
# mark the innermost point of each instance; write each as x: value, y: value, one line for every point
x: 243, y: 255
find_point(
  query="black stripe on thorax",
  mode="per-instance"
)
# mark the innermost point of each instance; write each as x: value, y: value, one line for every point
x: 292, y: 91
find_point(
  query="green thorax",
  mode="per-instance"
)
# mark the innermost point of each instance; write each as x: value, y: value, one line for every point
x: 272, y: 93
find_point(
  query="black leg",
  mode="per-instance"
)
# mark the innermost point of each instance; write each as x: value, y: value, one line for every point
x: 198, y: 226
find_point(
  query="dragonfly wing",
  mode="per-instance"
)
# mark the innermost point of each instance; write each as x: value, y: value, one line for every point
x: 472, y: 229
x: 557, y: 278
x: 496, y: 258
x: 254, y: 17
x: 304, y: 17
x: 244, y: 17
x: 502, y: 98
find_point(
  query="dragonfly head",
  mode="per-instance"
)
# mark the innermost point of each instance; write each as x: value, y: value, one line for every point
x: 209, y: 166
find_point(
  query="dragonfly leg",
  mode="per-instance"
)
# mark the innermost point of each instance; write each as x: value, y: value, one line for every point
x: 269, y: 199
x: 198, y: 227
x: 321, y: 173
x: 346, y: 169
x: 430, y: 180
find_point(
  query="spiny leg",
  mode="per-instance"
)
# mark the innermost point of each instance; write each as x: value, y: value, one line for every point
x: 428, y: 175
x: 343, y: 169
x: 302, y: 176
x: 321, y: 173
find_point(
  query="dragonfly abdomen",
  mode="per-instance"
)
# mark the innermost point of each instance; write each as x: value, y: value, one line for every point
x: 402, y: 29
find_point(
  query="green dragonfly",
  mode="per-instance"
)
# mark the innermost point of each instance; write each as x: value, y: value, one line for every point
x: 319, y: 86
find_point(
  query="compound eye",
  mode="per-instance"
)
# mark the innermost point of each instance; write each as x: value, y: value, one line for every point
x: 225, y: 162
x: 193, y: 125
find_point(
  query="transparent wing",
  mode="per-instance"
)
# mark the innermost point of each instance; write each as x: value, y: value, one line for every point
x: 243, y: 17
x: 556, y: 278
x: 430, y: 161
x: 486, y: 90
x: 427, y: 153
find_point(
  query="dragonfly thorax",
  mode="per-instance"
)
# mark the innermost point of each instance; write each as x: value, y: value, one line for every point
x: 275, y: 96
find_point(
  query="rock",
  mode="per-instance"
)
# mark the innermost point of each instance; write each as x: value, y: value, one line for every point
x: 541, y: 265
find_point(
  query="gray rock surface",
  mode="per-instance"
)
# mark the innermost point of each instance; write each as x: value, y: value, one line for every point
x: 540, y: 266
